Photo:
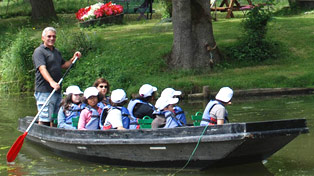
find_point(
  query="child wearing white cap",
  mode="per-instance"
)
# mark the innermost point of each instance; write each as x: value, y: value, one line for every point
x: 141, y: 106
x: 165, y: 117
x: 89, y: 118
x: 117, y: 117
x: 70, y: 108
x: 215, y: 112
x: 179, y: 113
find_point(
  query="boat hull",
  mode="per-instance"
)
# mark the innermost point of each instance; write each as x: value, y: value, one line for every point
x: 229, y: 144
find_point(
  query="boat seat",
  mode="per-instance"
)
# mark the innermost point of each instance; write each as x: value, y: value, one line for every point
x: 75, y: 122
x: 146, y: 122
x: 197, y: 118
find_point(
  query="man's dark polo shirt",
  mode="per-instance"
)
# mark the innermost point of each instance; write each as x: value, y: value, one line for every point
x: 53, y: 61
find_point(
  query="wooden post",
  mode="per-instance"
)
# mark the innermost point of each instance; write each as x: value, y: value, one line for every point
x: 205, y: 92
x: 230, y: 14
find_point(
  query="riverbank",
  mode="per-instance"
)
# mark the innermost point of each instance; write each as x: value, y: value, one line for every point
x: 132, y: 54
x: 206, y: 94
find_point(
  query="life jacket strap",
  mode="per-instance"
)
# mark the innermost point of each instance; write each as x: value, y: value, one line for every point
x: 107, y: 127
x: 212, y: 121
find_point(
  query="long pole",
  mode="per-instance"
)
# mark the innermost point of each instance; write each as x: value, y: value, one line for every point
x: 16, y: 147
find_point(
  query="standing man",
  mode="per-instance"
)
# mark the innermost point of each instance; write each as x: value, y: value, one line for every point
x: 48, y: 63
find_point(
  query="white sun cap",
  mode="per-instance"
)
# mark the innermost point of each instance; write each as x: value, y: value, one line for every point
x: 147, y: 90
x: 163, y: 102
x: 90, y: 91
x: 170, y: 92
x: 118, y: 96
x: 225, y: 94
x: 73, y: 90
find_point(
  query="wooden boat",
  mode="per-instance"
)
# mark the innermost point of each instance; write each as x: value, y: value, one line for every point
x: 229, y: 144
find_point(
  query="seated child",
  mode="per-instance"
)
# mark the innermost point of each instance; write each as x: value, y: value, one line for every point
x: 141, y: 106
x: 179, y: 113
x: 70, y: 108
x: 165, y: 117
x: 89, y: 118
x: 114, y: 119
x: 215, y: 112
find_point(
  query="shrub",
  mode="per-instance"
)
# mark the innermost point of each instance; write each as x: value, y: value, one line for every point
x: 16, y: 64
x: 253, y: 46
x: 68, y: 42
x: 166, y: 9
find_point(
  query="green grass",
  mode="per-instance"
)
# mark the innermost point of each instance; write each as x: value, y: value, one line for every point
x: 132, y: 54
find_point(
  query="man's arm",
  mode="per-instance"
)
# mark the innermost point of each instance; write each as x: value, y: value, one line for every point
x: 44, y: 72
x: 69, y: 62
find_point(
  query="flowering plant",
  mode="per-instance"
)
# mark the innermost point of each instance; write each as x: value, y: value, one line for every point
x: 98, y: 10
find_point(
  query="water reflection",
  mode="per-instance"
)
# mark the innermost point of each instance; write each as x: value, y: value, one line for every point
x: 297, y: 158
x: 256, y: 169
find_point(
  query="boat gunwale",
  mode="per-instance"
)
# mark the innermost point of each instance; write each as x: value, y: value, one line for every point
x: 84, y: 136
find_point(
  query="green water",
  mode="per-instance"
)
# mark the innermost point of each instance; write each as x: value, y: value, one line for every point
x: 297, y: 158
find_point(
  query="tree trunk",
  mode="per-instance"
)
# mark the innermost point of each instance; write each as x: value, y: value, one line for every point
x: 193, y: 43
x: 43, y: 9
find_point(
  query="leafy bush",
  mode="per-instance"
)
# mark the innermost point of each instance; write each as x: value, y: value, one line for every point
x: 16, y: 64
x: 166, y: 9
x: 68, y: 42
x: 253, y: 46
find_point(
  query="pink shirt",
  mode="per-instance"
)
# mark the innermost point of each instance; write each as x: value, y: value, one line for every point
x: 85, y: 117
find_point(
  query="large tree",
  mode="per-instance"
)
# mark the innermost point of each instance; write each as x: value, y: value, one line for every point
x: 193, y: 43
x: 43, y: 9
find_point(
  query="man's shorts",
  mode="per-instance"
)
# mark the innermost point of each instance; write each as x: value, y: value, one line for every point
x: 52, y: 106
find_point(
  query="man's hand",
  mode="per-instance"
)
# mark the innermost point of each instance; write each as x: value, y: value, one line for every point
x: 76, y: 54
x: 69, y: 62
x: 54, y: 85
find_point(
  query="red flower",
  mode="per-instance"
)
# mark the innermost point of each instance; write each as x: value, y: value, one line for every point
x: 82, y: 12
x: 108, y: 12
x: 107, y: 9
x: 98, y: 13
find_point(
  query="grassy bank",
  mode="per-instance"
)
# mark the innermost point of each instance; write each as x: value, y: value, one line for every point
x: 132, y: 54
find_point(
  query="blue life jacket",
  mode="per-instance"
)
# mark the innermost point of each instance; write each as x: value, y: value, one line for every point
x: 93, y: 123
x: 133, y: 122
x: 171, y: 120
x: 125, y: 118
x: 72, y: 113
x: 180, y: 114
x: 207, y: 119
x: 102, y: 105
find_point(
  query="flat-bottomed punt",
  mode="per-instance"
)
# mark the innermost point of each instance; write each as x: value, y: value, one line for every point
x: 228, y: 144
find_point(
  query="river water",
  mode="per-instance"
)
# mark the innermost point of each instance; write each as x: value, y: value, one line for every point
x: 296, y: 158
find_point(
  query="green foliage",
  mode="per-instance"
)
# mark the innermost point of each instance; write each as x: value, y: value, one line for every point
x: 166, y: 8
x: 69, y: 41
x: 71, y: 6
x: 253, y: 46
x: 292, y: 9
x: 9, y: 8
x: 132, y: 54
x: 126, y: 60
x: 16, y: 64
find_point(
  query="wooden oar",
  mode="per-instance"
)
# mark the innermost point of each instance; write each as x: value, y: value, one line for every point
x: 16, y: 147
